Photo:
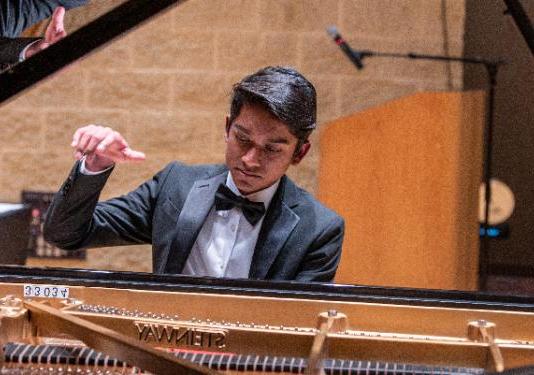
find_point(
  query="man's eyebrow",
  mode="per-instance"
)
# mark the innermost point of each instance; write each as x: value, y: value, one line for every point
x: 241, y: 129
x: 278, y: 140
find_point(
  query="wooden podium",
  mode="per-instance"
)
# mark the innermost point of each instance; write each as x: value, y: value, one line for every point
x: 405, y: 177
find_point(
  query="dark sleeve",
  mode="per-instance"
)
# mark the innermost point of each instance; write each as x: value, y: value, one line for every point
x: 321, y: 260
x: 17, y: 15
x: 10, y: 49
x: 76, y: 219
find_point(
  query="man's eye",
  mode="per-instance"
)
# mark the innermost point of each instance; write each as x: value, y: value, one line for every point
x: 271, y: 150
x: 242, y: 139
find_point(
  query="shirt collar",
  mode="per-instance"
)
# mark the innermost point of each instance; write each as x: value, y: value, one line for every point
x: 265, y: 195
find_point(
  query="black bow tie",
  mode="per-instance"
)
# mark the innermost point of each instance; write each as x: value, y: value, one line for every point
x: 225, y: 199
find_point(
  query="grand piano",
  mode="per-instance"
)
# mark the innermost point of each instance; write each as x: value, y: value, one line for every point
x: 87, y: 321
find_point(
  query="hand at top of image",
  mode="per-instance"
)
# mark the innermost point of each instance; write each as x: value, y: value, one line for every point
x: 55, y: 31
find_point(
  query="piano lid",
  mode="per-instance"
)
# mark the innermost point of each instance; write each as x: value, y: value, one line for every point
x: 80, y: 43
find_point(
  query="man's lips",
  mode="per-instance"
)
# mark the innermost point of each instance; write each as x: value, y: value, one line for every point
x: 247, y: 173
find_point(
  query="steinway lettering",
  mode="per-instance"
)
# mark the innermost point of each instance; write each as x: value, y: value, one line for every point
x: 179, y: 335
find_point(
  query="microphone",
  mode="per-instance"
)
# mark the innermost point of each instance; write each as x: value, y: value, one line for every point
x: 354, y: 56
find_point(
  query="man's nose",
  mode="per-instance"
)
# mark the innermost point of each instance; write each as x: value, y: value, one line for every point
x: 252, y: 158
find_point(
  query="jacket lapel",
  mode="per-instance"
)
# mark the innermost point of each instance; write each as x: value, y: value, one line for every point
x: 196, y: 207
x: 278, y: 224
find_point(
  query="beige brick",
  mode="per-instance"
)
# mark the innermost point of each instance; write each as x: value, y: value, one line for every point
x: 218, y: 14
x: 413, y: 69
x: 332, y: 61
x: 77, y: 17
x: 64, y: 90
x: 305, y: 174
x: 175, y: 134
x: 451, y: 80
x: 60, y: 126
x: 249, y: 51
x: 135, y: 258
x: 148, y: 91
x: 298, y: 15
x: 116, y: 55
x: 202, y: 92
x: 43, y: 172
x: 21, y: 130
x: 319, y: 54
x: 357, y: 95
x: 160, y: 46
x: 327, y: 97
x: 313, y: 155
x: 217, y: 154
x: 400, y: 19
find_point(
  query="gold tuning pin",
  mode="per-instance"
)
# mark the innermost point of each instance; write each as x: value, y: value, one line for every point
x: 14, y: 324
x: 336, y: 321
x: 327, y: 322
x: 484, y: 331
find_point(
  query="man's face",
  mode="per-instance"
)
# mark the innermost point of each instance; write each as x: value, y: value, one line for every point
x: 259, y: 149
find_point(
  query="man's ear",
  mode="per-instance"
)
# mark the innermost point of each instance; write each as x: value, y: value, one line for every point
x: 227, y: 128
x: 304, y: 148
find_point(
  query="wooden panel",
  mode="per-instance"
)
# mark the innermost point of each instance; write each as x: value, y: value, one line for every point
x: 405, y: 177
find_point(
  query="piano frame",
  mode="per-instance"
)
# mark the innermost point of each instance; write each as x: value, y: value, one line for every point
x: 281, y: 318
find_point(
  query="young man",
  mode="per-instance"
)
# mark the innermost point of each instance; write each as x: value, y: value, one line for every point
x: 242, y: 219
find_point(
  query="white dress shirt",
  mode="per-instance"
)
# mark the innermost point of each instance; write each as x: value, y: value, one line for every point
x: 226, y: 242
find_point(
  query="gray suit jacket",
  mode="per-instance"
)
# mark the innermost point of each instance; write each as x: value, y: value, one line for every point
x: 10, y: 50
x: 299, y: 240
x: 17, y: 15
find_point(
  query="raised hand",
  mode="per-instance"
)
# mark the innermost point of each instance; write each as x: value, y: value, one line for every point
x: 102, y: 147
x: 55, y: 31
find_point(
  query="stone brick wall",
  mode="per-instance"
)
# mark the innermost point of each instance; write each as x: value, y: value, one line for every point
x: 165, y: 85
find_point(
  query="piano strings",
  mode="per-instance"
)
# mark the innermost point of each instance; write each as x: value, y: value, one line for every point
x: 25, y: 354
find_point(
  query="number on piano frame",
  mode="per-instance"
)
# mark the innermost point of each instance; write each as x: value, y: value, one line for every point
x: 46, y: 291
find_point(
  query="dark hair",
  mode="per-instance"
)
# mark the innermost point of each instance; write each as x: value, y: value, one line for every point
x: 282, y: 91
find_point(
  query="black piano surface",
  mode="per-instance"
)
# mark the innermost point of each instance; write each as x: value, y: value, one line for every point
x: 322, y: 291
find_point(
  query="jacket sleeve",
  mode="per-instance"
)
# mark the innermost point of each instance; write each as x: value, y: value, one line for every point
x: 76, y: 219
x: 17, y: 15
x: 322, y: 259
x: 10, y: 49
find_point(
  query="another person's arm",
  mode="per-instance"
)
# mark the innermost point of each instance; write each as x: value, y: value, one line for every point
x: 54, y: 32
x: 17, y: 15
x: 11, y: 50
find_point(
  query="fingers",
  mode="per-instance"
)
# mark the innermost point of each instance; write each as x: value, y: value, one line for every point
x: 110, y: 138
x: 123, y: 155
x: 54, y: 32
x: 56, y: 29
x: 88, y: 138
x: 105, y: 142
x: 57, y: 20
x: 132, y: 155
